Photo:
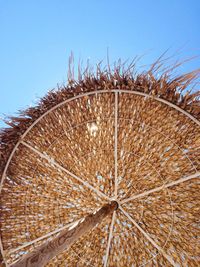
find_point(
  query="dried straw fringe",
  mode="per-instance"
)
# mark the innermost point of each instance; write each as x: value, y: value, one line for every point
x: 158, y: 81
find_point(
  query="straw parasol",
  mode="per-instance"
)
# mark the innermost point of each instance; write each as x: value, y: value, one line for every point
x: 104, y: 172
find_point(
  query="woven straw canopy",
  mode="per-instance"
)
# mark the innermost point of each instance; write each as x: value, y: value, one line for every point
x: 110, y: 136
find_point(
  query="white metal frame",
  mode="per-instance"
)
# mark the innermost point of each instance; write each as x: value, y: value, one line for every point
x: 167, y: 137
x: 149, y: 238
x: 116, y: 143
x: 116, y: 92
x: 46, y: 236
x: 53, y: 162
x: 109, y: 238
x: 159, y: 188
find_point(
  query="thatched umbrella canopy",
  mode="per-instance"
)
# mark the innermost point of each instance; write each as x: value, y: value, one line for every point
x: 110, y: 136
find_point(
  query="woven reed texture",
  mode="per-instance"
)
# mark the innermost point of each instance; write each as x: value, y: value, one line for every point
x: 156, y: 145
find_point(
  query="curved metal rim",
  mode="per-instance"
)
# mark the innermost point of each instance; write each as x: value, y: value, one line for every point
x: 77, y: 97
x: 87, y: 94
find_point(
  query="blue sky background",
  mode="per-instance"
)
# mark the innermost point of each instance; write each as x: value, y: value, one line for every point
x: 37, y: 36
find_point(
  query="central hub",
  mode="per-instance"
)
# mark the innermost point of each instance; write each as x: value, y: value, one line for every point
x: 115, y: 204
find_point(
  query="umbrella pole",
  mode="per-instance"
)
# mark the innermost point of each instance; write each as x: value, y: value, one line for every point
x: 41, y: 255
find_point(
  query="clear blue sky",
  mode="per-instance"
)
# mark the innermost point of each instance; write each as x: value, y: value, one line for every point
x: 37, y: 36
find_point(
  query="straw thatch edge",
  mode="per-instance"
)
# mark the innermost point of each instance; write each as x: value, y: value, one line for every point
x: 158, y: 81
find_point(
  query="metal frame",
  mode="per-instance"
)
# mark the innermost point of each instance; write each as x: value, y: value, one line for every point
x: 109, y: 239
x: 116, y: 92
x: 116, y: 143
x: 167, y: 137
x: 69, y: 225
x: 164, y: 186
x: 53, y: 162
x: 149, y: 238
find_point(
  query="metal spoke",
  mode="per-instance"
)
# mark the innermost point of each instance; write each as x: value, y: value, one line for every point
x: 116, y: 141
x: 181, y: 180
x: 45, y: 236
x: 55, y: 164
x: 110, y: 238
x: 150, y: 239
x: 3, y: 253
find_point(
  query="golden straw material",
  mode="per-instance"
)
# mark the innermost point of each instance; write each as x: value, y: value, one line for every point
x: 113, y: 135
x: 65, y: 239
